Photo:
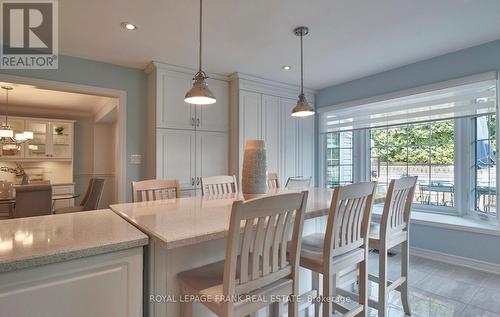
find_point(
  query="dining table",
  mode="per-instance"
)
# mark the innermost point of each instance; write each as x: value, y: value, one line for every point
x: 190, y: 232
x: 11, y: 200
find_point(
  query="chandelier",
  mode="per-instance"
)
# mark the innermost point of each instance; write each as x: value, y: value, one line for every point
x: 8, y: 139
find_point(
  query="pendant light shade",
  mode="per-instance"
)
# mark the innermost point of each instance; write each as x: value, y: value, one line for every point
x: 303, y: 108
x: 8, y: 139
x: 200, y: 94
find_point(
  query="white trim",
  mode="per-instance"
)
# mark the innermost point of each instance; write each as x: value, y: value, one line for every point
x: 270, y: 87
x: 456, y: 260
x: 121, y: 172
x: 180, y: 69
x: 492, y: 75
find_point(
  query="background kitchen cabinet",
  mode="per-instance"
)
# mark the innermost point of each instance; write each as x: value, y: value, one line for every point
x: 187, y: 141
x: 261, y: 109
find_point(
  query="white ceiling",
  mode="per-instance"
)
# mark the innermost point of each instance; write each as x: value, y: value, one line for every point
x: 27, y: 96
x: 349, y: 38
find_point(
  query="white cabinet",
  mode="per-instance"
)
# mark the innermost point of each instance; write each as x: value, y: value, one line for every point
x: 214, y: 117
x: 290, y: 149
x: 263, y: 110
x: 52, y: 140
x: 211, y: 153
x: 176, y: 156
x: 102, y: 285
x: 172, y: 112
x: 189, y: 141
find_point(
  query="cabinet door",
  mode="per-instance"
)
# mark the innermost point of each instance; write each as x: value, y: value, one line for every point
x: 175, y: 151
x: 62, y: 140
x: 306, y: 151
x: 271, y: 131
x: 250, y: 119
x: 40, y: 145
x: 172, y: 112
x: 7, y: 151
x: 290, y: 140
x: 211, y: 153
x: 214, y: 117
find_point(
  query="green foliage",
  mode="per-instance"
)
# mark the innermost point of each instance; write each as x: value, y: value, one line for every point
x: 415, y: 144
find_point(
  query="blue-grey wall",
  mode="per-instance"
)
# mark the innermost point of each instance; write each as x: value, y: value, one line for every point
x: 133, y: 81
x: 462, y: 63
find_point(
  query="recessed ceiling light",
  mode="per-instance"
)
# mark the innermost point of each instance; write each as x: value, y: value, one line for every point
x: 129, y: 26
x: 286, y: 67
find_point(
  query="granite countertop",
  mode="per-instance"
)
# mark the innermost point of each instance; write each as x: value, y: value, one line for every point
x: 35, y: 241
x: 189, y: 220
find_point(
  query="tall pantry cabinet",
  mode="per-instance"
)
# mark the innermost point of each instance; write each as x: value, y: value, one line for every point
x: 261, y: 109
x: 185, y: 141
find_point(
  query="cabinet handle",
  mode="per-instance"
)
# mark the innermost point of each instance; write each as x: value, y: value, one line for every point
x: 197, y: 181
x: 193, y: 122
x: 197, y: 122
x: 192, y: 181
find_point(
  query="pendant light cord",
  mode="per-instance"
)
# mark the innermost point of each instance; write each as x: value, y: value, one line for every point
x: 201, y: 30
x: 301, y: 64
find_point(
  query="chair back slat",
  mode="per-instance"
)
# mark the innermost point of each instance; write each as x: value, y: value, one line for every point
x: 218, y: 185
x: 397, y: 206
x: 257, y: 256
x: 273, y: 181
x: 155, y: 189
x: 349, y: 217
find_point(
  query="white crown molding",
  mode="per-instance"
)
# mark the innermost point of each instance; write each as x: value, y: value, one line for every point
x: 257, y: 84
x: 180, y: 69
x: 456, y: 260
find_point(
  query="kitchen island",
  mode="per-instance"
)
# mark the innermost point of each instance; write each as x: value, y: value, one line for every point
x: 77, y: 264
x: 189, y: 232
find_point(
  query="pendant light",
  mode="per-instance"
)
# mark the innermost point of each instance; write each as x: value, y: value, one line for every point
x: 7, y: 138
x: 199, y: 94
x: 302, y: 109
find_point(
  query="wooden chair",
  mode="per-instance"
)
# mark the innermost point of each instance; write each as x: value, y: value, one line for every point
x: 256, y: 258
x: 155, y: 189
x: 343, y: 246
x: 273, y: 181
x: 91, y: 199
x: 33, y: 200
x: 218, y: 185
x: 393, y: 231
x: 298, y: 182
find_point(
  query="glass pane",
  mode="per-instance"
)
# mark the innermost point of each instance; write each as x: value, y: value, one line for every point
x: 397, y: 155
x: 485, y: 166
x: 419, y: 134
x: 418, y: 155
x: 61, y: 139
x: 397, y: 135
x: 345, y: 140
x: 442, y: 154
x: 378, y: 137
x: 442, y: 132
x: 38, y: 146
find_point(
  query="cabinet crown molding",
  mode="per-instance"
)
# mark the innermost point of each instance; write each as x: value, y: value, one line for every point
x: 254, y: 83
x: 180, y: 69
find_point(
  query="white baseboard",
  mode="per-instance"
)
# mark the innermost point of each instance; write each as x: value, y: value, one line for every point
x: 456, y: 260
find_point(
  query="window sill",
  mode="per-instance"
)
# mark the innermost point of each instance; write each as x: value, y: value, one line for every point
x: 467, y: 223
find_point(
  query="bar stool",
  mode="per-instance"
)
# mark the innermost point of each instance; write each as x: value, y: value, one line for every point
x: 392, y: 231
x: 256, y: 259
x: 343, y: 246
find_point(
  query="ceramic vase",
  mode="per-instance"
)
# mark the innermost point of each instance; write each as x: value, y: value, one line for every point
x: 254, y: 175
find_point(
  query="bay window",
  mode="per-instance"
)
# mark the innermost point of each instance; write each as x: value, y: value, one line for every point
x: 444, y: 133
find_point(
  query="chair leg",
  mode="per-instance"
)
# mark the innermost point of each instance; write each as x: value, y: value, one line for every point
x: 363, y: 285
x: 315, y: 286
x: 186, y: 309
x: 329, y: 293
x: 382, y: 281
x: 405, y: 264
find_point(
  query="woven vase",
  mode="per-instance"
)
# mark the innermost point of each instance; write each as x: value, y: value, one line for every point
x: 254, y: 176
